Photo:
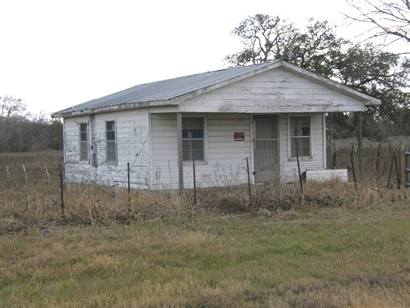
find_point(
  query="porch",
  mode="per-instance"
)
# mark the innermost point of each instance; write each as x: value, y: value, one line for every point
x: 220, y: 144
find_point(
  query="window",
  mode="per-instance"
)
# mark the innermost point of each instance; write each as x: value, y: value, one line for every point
x: 193, y: 139
x: 300, y: 136
x: 111, y: 140
x: 83, y: 142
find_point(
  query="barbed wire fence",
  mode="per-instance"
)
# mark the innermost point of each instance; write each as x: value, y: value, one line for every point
x: 383, y: 164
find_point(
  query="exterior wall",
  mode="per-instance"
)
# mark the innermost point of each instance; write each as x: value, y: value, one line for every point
x: 274, y: 91
x: 288, y: 165
x: 133, y: 145
x: 225, y: 159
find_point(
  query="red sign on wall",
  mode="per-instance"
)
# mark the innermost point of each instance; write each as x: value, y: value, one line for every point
x: 238, y: 136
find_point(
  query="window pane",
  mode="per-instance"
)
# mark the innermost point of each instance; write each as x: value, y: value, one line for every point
x: 193, y: 150
x: 192, y: 128
x: 83, y: 150
x: 300, y: 145
x: 110, y: 135
x: 83, y: 136
x: 300, y: 126
x: 111, y: 151
x: 109, y: 125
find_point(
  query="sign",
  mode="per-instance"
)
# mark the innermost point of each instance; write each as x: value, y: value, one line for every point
x: 238, y: 136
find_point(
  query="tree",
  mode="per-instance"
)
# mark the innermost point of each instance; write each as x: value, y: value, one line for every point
x: 365, y: 68
x: 389, y: 19
x: 11, y: 106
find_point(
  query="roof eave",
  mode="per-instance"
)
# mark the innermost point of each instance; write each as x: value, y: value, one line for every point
x: 112, y: 108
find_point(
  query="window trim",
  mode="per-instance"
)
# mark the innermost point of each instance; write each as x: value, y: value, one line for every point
x: 290, y: 116
x: 111, y: 162
x: 80, y: 141
x: 205, y: 139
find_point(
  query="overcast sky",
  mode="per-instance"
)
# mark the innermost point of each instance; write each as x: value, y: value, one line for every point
x: 55, y: 53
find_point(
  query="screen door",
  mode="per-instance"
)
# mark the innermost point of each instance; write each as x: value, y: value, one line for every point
x: 266, y: 149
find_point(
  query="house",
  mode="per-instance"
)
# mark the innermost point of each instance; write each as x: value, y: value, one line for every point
x: 263, y: 115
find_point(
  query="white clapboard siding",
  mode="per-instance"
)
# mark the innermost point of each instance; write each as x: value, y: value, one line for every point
x: 288, y: 166
x: 275, y: 91
x: 225, y: 158
x: 132, y: 132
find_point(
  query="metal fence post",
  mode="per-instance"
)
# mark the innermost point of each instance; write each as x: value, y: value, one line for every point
x: 300, y: 174
x: 194, y: 178
x: 128, y: 186
x: 249, y: 182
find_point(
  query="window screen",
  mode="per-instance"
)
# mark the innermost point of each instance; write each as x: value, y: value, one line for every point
x: 83, y: 142
x: 300, y: 136
x: 111, y: 141
x: 192, y: 139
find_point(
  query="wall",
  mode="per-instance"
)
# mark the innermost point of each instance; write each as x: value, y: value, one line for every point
x: 225, y: 159
x: 274, y: 91
x: 132, y: 139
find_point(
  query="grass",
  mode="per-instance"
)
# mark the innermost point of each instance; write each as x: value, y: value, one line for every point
x: 322, y: 258
x: 335, y: 247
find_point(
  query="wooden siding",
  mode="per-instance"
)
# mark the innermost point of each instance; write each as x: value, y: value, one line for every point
x: 132, y: 132
x: 225, y: 158
x: 275, y: 91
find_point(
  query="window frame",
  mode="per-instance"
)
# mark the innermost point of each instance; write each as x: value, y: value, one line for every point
x: 115, y: 161
x: 290, y: 136
x: 87, y: 142
x: 205, y: 139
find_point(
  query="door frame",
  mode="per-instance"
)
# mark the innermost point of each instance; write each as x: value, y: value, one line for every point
x: 252, y: 133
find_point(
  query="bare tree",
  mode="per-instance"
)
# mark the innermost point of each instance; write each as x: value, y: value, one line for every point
x: 389, y: 19
x: 11, y: 106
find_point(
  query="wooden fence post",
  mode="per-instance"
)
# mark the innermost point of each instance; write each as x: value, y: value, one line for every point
x: 353, y: 167
x: 62, y: 191
x: 25, y: 173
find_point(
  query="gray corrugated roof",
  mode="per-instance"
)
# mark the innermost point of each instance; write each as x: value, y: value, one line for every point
x: 165, y: 89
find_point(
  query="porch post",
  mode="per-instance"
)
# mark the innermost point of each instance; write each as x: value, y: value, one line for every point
x: 179, y: 146
x: 360, y: 141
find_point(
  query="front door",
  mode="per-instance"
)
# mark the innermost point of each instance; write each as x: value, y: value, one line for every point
x: 266, y: 149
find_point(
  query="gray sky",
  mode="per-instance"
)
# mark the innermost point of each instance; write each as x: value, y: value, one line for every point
x: 56, y: 53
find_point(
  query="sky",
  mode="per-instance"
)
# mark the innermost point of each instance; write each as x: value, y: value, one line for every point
x: 55, y: 54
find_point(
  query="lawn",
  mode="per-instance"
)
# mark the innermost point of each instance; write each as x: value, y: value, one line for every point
x: 329, y: 257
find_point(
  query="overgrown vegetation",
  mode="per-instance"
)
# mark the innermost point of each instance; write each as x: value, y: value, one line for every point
x: 334, y: 246
x: 21, y: 131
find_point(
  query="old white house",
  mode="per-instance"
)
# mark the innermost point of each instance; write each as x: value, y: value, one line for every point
x: 265, y: 113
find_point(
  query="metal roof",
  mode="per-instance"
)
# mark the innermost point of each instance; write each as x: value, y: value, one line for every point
x: 165, y: 90
x: 171, y: 91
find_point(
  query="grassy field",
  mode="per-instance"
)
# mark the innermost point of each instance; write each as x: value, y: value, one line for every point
x: 318, y: 258
x: 336, y: 246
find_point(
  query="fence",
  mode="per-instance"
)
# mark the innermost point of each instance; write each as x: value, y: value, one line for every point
x: 381, y: 165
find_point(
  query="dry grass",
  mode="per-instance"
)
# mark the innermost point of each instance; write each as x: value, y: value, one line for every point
x: 333, y: 247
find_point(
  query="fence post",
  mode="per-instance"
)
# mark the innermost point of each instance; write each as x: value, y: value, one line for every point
x: 62, y: 191
x: 353, y: 167
x: 194, y: 178
x: 396, y: 165
x: 300, y: 174
x: 390, y: 171
x: 48, y: 175
x: 379, y: 148
x: 128, y: 186
x: 249, y: 182
x: 25, y: 173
